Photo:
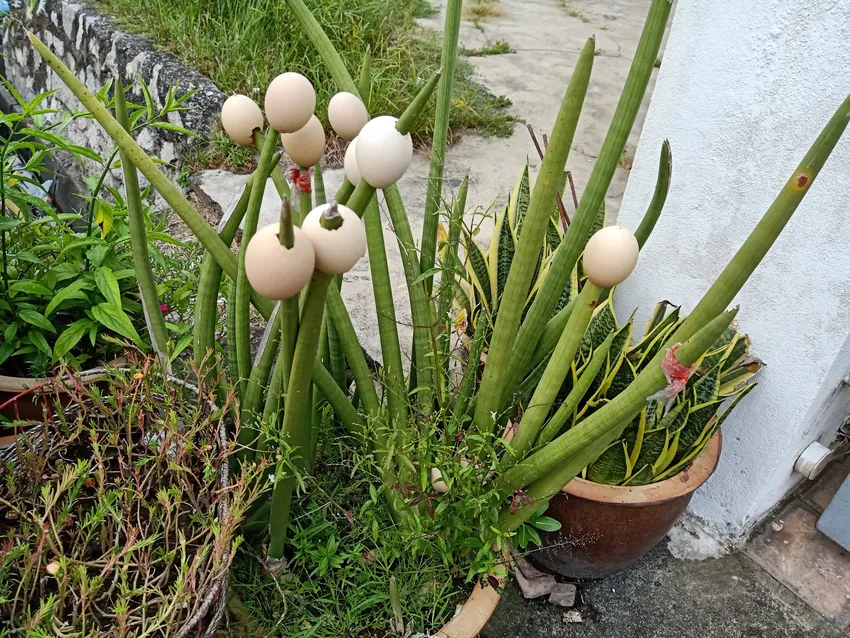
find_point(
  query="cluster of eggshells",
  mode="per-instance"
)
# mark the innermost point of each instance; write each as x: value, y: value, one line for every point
x: 377, y: 153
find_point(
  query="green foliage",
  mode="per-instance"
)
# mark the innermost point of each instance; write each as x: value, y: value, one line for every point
x: 127, y: 518
x: 243, y: 44
x: 665, y: 437
x: 69, y: 288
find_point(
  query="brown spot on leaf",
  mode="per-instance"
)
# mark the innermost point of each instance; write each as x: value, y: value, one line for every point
x: 801, y: 180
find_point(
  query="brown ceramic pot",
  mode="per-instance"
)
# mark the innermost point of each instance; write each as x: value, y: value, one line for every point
x: 607, y: 528
x: 20, y: 398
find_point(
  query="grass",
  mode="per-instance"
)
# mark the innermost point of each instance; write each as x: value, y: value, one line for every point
x: 482, y: 10
x: 499, y: 47
x: 242, y: 44
x: 572, y: 12
x: 344, y: 549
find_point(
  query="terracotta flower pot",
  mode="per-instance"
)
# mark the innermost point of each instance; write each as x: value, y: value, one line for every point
x: 607, y: 528
x: 19, y: 398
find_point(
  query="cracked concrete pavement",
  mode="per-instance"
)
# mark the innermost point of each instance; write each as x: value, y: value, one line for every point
x: 546, y: 37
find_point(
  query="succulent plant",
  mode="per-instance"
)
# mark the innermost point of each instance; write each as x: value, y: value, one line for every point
x: 318, y: 345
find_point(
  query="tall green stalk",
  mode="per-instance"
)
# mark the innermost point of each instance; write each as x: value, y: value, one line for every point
x: 385, y: 309
x: 209, y: 284
x: 296, y: 420
x: 489, y: 405
x: 566, y: 255
x: 448, y: 59
x: 139, y: 241
x: 622, y: 407
x: 553, y: 378
x: 243, y: 286
x: 424, y: 337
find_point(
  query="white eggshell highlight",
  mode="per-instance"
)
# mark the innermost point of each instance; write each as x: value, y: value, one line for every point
x: 290, y: 102
x: 383, y: 154
x: 305, y: 146
x: 277, y: 272
x: 347, y: 115
x: 352, y: 172
x: 240, y: 115
x: 610, y: 256
x: 336, y: 250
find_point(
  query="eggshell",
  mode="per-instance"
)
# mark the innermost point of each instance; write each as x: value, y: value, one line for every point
x: 240, y: 115
x: 290, y: 102
x: 347, y: 115
x: 352, y: 172
x: 610, y: 256
x: 306, y: 145
x: 277, y: 272
x: 383, y: 154
x: 336, y: 250
x: 437, y: 481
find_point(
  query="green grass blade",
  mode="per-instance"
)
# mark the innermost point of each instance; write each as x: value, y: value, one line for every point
x: 451, y: 32
x: 566, y: 255
x: 139, y: 240
x: 499, y: 357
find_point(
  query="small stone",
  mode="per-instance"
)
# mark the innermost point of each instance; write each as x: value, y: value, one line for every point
x: 535, y: 587
x: 573, y: 617
x: 777, y: 526
x: 564, y: 595
x: 52, y: 568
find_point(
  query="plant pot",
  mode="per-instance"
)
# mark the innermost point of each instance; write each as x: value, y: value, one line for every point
x: 607, y: 528
x: 476, y: 611
x: 19, y: 398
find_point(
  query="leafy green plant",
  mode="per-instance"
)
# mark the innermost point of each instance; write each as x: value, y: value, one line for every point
x: 70, y: 291
x: 424, y: 430
x: 120, y: 514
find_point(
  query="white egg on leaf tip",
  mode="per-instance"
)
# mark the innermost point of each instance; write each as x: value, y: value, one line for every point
x: 352, y: 172
x: 305, y: 146
x: 347, y: 115
x: 383, y: 154
x: 290, y: 102
x: 275, y: 271
x: 240, y: 115
x: 337, y: 250
x: 610, y: 256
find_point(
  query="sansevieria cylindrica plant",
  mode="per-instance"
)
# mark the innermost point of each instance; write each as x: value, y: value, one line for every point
x: 421, y: 432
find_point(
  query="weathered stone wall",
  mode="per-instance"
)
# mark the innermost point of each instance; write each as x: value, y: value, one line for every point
x: 96, y: 50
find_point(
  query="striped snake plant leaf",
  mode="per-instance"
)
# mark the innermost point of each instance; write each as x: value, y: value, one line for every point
x: 478, y: 272
x: 603, y: 323
x: 658, y: 315
x: 518, y: 203
x: 499, y: 256
x: 661, y: 328
x: 734, y: 380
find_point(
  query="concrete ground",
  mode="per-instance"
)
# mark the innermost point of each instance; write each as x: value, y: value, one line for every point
x: 547, y: 37
x: 664, y: 597
x: 789, y: 581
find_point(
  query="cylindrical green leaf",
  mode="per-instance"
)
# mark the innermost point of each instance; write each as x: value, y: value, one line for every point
x: 433, y: 197
x: 499, y: 357
x: 139, y: 240
x: 566, y: 255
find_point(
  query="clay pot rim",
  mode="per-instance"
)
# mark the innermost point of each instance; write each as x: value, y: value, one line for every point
x: 674, y: 487
x: 20, y: 384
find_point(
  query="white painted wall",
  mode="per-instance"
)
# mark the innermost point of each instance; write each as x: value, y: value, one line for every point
x: 744, y: 88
